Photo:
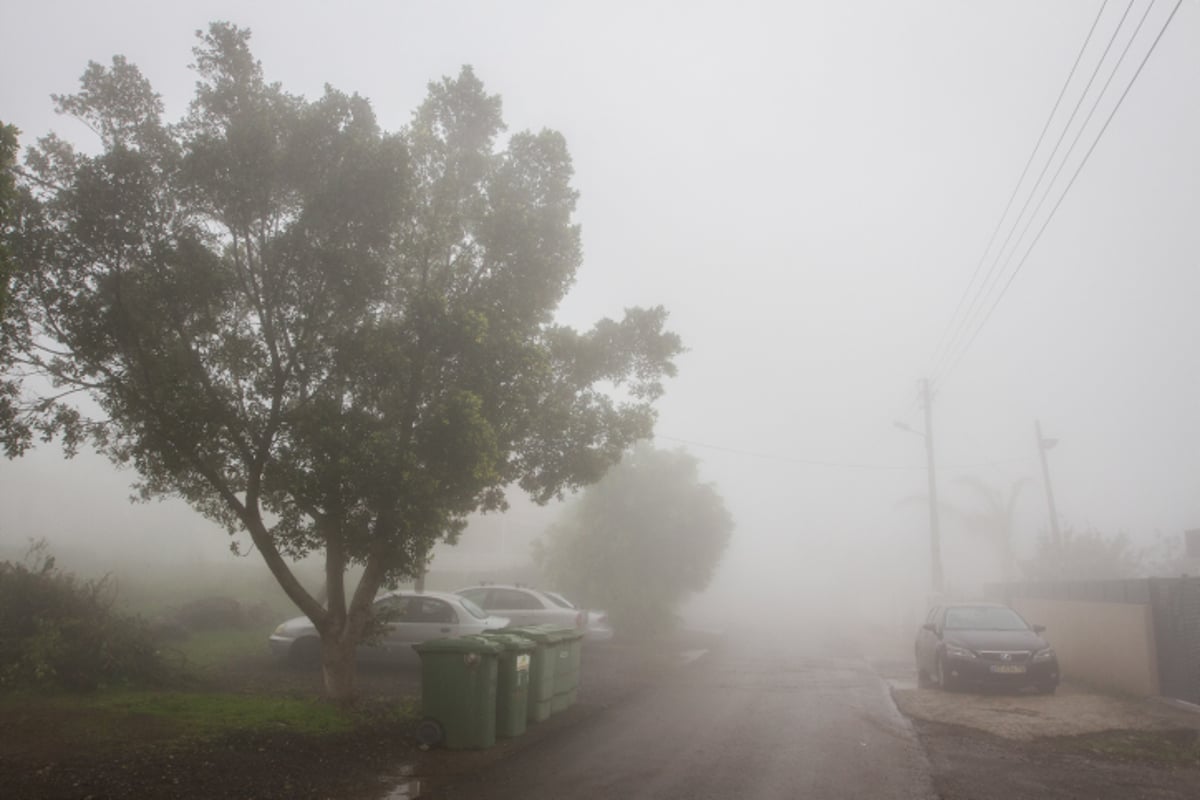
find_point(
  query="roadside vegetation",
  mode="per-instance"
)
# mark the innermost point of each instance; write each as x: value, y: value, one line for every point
x: 60, y: 632
x: 640, y: 541
x: 172, y: 703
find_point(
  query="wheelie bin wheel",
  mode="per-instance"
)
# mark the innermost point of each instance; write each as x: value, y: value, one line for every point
x: 430, y: 732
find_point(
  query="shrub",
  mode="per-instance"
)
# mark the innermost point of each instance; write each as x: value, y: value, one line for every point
x: 211, y: 613
x: 59, y: 631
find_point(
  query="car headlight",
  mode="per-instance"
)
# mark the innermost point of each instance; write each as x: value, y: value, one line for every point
x: 279, y: 631
x: 955, y: 651
x: 1044, y: 655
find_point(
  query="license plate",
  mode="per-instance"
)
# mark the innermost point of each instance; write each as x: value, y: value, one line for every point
x: 1009, y: 669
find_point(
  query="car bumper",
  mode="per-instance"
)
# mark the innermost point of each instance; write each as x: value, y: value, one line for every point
x: 279, y: 645
x: 597, y: 634
x: 991, y: 673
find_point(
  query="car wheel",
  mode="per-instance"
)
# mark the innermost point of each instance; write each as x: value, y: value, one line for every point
x: 923, y: 679
x: 305, y: 652
x: 947, y: 683
x: 1046, y: 688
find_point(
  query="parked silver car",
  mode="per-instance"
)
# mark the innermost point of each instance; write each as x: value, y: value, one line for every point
x: 411, y: 618
x: 524, y: 605
x: 597, y: 627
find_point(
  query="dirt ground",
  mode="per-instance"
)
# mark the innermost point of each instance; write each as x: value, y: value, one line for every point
x: 1077, y: 743
x: 1072, y: 711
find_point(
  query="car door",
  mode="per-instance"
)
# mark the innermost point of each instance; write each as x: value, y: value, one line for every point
x: 390, y: 611
x: 425, y: 618
x: 521, y: 607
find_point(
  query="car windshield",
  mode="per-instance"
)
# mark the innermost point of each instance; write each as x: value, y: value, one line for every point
x: 559, y: 600
x: 475, y: 610
x: 984, y: 618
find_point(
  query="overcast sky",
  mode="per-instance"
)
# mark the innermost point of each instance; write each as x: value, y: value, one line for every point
x: 808, y: 188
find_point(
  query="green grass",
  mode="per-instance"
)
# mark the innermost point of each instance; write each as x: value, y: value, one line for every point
x: 125, y: 721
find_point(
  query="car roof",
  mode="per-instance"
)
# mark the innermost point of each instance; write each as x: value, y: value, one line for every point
x: 533, y: 589
x: 448, y: 596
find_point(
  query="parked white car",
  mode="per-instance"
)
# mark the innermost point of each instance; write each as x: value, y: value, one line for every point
x: 597, y: 628
x: 412, y: 618
x: 525, y: 605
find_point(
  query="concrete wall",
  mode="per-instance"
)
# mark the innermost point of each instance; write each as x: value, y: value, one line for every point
x: 1109, y: 645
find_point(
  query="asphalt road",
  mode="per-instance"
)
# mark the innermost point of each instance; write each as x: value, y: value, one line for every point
x: 753, y: 720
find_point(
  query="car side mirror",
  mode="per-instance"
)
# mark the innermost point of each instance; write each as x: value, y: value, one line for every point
x: 929, y: 626
x: 1039, y: 628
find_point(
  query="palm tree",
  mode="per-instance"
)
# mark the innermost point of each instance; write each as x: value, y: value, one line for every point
x: 994, y: 517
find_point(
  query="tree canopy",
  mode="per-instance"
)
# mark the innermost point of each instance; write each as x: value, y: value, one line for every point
x: 332, y: 337
x: 640, y: 540
x: 8, y: 198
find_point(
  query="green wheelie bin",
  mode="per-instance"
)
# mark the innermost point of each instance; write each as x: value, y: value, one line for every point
x: 573, y: 639
x: 566, y: 669
x: 458, y: 692
x: 512, y: 692
x: 542, y: 665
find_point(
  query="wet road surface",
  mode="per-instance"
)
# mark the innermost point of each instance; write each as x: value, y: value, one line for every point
x: 751, y: 720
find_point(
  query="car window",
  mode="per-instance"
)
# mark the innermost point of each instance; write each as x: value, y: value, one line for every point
x: 476, y: 596
x: 513, y: 599
x: 559, y: 600
x: 473, y: 609
x: 933, y: 614
x: 428, y: 609
x: 392, y: 606
x: 984, y: 618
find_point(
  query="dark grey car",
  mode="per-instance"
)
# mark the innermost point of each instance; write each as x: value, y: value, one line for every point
x: 983, y: 644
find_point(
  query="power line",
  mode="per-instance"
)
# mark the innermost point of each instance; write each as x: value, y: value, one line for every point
x: 992, y: 277
x: 1071, y: 182
x: 1008, y: 206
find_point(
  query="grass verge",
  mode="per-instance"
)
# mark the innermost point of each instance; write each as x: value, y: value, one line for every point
x: 208, y: 651
x: 126, y: 721
x: 1180, y: 747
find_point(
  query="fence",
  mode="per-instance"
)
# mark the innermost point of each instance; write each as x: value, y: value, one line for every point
x: 1171, y: 638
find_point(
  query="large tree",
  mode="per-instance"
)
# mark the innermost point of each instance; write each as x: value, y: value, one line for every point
x: 640, y: 540
x: 336, y: 339
x: 8, y: 203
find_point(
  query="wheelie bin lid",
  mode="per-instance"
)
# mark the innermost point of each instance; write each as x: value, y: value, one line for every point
x: 541, y: 634
x: 511, y: 642
x: 566, y: 633
x: 460, y: 644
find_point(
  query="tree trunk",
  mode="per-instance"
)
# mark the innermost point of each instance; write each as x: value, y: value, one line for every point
x: 338, y: 668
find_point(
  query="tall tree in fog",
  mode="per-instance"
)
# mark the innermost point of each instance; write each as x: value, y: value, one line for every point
x: 639, y: 541
x: 994, y: 518
x: 8, y: 203
x: 333, y: 338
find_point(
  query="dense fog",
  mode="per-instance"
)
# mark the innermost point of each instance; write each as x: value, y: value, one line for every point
x: 807, y: 188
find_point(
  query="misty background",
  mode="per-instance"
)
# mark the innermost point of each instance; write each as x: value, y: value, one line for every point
x: 807, y: 188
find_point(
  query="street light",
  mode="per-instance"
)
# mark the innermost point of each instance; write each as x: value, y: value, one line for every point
x: 935, y: 544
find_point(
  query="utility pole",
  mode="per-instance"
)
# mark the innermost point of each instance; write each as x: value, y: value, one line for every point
x: 1045, y: 444
x: 935, y: 543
